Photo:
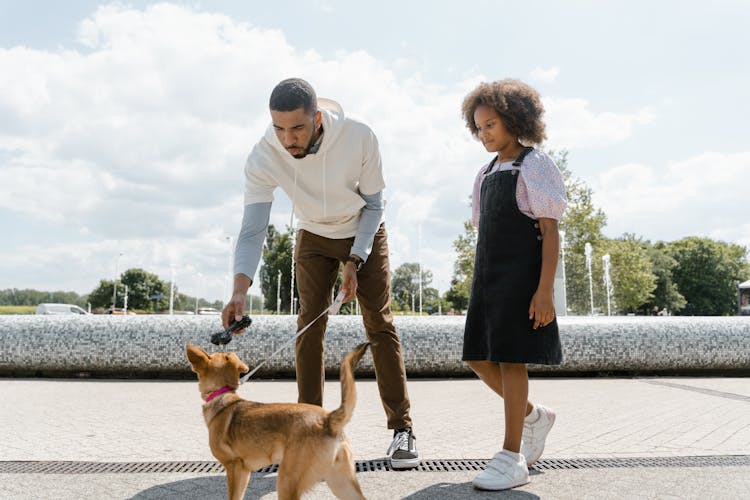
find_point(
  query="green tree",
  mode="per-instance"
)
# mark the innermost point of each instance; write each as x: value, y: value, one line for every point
x: 101, y: 296
x: 277, y: 256
x: 184, y: 302
x: 30, y: 297
x: 141, y: 285
x: 405, y: 285
x: 631, y: 271
x: 666, y: 294
x: 707, y: 274
x: 432, y: 302
x: 463, y: 268
x: 581, y: 223
x: 69, y: 298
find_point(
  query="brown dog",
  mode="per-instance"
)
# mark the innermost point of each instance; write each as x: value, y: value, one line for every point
x: 305, y: 440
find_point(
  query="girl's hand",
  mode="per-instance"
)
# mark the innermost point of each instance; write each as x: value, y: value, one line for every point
x: 542, y: 308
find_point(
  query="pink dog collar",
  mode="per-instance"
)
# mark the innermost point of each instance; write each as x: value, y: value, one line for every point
x: 218, y: 393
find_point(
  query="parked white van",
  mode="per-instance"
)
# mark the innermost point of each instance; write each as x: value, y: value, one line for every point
x: 59, y: 309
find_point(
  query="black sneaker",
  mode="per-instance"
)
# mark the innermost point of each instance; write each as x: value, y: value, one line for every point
x: 402, y: 453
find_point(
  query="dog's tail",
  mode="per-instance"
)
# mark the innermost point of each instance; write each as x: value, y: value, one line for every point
x: 338, y: 418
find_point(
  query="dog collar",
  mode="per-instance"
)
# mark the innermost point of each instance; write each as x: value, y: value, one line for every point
x: 218, y: 393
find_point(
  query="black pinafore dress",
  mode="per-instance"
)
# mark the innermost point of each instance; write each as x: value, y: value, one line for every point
x: 507, y: 267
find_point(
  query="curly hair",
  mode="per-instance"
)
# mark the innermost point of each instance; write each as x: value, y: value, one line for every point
x: 519, y: 106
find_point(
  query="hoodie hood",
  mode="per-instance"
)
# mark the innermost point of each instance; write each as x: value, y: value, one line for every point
x: 332, y: 115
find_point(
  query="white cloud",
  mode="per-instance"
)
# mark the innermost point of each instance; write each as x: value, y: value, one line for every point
x: 546, y: 75
x: 325, y: 6
x: 703, y: 196
x: 137, y: 139
x: 572, y: 125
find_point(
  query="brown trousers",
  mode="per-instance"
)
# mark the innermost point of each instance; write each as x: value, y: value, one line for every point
x: 317, y: 262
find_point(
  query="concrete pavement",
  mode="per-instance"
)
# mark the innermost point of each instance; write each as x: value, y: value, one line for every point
x: 598, y: 418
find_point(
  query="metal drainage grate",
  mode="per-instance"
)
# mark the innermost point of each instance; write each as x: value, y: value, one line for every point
x: 608, y: 463
x: 107, y: 467
x: 31, y: 467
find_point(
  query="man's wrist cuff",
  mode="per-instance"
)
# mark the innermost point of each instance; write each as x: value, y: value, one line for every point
x: 358, y: 263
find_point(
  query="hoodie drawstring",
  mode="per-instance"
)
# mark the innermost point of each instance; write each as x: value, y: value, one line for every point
x: 325, y: 201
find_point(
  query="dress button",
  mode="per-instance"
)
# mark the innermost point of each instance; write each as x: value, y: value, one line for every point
x: 539, y: 237
x: 536, y: 225
x: 514, y: 172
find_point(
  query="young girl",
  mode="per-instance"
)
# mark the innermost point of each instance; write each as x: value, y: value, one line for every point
x: 518, y: 199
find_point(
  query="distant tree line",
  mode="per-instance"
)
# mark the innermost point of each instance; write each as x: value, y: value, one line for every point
x: 141, y: 285
x: 29, y: 297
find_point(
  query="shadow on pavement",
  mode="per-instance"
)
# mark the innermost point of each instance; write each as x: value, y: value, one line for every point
x: 211, y: 487
x: 214, y: 487
x: 447, y: 491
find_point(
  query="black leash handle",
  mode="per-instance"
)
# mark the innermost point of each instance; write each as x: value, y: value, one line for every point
x: 222, y: 338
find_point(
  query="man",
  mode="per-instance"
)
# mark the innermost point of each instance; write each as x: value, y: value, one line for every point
x: 330, y: 168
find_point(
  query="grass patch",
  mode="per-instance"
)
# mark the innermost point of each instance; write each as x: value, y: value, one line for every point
x: 17, y: 309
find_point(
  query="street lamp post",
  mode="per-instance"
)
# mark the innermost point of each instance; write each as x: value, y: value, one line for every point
x: 564, y: 277
x: 171, y: 293
x: 278, y: 293
x: 260, y: 288
x: 197, y: 292
x: 114, y: 283
x: 588, y: 251
x: 607, y: 282
x: 230, y: 268
x: 419, y: 259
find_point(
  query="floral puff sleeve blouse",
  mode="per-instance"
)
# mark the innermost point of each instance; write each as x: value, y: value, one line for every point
x: 540, y: 191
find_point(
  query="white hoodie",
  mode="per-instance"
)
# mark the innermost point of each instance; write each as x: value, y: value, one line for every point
x: 324, y: 187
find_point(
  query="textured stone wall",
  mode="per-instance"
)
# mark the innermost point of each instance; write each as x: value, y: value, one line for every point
x: 144, y: 346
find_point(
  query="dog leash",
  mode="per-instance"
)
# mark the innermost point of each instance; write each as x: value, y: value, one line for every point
x: 332, y: 309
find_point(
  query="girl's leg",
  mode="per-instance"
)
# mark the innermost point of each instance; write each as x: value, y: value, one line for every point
x: 515, y: 391
x: 490, y: 373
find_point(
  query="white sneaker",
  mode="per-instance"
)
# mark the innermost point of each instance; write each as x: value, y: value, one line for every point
x: 535, y: 433
x: 503, y: 473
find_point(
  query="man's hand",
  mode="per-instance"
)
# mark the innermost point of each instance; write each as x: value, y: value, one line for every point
x: 349, y: 282
x: 542, y: 308
x: 234, y: 310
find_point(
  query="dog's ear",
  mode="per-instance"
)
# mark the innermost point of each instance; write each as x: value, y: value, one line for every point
x: 238, y: 365
x: 197, y: 357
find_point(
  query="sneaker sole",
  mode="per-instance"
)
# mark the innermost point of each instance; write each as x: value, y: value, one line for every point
x: 404, y: 463
x: 486, y: 488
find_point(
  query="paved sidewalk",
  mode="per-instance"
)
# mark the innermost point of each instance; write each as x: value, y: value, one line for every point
x: 598, y: 418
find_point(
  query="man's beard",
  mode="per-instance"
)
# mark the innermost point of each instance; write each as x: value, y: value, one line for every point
x: 304, y: 152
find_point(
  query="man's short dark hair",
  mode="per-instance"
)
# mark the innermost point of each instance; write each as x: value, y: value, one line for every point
x: 294, y: 93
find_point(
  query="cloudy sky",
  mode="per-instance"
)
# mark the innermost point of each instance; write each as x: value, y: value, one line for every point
x: 124, y: 126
